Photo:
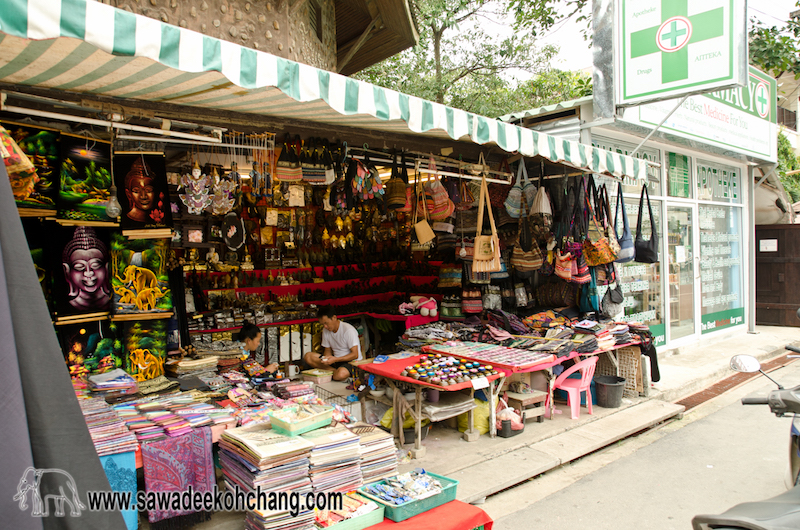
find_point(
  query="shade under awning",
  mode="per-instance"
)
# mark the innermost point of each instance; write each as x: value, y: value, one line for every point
x: 87, y: 47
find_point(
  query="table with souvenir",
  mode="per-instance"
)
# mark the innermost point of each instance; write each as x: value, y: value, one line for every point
x: 430, y: 373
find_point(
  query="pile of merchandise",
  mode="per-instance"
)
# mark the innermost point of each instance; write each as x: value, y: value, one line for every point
x: 256, y: 456
x: 113, y: 384
x: 107, y: 429
x: 378, y: 453
x: 353, y: 505
x: 405, y: 488
x: 334, y: 459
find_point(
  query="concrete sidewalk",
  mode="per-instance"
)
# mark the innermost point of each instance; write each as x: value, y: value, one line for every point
x: 692, y: 368
x: 487, y: 466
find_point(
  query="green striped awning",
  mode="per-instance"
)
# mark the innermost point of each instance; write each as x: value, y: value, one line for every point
x: 89, y: 47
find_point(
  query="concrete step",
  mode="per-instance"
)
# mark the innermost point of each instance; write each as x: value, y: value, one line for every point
x: 496, y: 474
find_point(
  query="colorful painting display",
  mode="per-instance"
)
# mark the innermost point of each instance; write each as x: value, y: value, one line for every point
x: 145, y: 345
x: 83, y: 281
x: 90, y: 348
x: 85, y: 178
x: 41, y: 146
x: 141, y: 179
x: 139, y: 275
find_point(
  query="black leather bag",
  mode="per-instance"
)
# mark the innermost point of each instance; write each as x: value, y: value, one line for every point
x: 646, y: 251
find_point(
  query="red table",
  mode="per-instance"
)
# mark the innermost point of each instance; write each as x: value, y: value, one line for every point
x: 455, y: 515
x: 390, y: 371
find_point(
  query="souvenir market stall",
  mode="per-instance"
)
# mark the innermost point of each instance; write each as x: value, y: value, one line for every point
x: 153, y: 249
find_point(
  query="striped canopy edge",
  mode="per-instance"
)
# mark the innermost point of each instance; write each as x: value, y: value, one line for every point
x: 125, y: 36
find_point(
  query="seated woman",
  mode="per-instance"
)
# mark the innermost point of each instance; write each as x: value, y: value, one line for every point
x: 341, y: 345
x: 250, y: 336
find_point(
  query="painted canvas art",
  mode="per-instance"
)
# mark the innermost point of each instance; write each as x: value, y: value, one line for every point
x: 83, y: 281
x: 145, y: 346
x: 90, y: 348
x: 41, y: 146
x: 139, y: 276
x: 85, y: 178
x: 141, y: 179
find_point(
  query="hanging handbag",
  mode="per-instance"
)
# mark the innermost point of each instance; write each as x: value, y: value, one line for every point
x: 541, y: 213
x: 599, y: 251
x: 612, y: 303
x: 467, y: 244
x: 581, y: 272
x: 395, y: 189
x: 287, y: 167
x: 522, y: 193
x: 526, y: 262
x: 608, y: 221
x: 487, y: 248
x: 467, y: 198
x: 626, y: 249
x: 496, y: 192
x: 422, y: 228
x: 646, y: 251
x: 563, y: 265
x: 588, y: 301
x: 492, y: 300
x: 441, y: 207
x: 502, y: 274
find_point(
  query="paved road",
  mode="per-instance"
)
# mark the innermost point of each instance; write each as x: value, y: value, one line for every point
x: 733, y: 455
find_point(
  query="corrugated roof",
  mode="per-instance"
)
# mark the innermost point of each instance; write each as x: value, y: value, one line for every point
x: 564, y: 105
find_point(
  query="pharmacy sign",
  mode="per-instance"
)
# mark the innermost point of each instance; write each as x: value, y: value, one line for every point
x: 668, y: 48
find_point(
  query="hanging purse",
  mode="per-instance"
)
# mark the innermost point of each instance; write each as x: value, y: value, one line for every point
x: 626, y: 249
x: 612, y: 303
x: 422, y: 229
x: 526, y: 262
x: 646, y: 251
x: 608, y: 221
x: 487, y: 248
x: 588, y: 301
x: 563, y: 265
x: 395, y: 189
x: 596, y: 252
x: 522, y: 194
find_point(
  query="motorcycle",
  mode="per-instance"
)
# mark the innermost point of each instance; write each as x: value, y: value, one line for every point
x: 781, y: 512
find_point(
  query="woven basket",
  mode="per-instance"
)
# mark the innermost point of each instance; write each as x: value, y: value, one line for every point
x: 630, y: 368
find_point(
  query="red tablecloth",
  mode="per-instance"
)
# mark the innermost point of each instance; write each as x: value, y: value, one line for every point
x: 454, y: 515
x: 393, y: 367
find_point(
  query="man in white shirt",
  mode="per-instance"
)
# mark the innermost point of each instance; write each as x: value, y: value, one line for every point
x: 341, y: 345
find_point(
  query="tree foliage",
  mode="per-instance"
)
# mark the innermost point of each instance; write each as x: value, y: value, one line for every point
x: 461, y: 62
x: 788, y: 161
x: 776, y: 50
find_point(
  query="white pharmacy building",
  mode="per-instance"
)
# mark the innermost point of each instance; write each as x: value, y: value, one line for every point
x: 709, y: 183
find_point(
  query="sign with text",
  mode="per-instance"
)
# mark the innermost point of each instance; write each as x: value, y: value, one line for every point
x: 669, y: 48
x: 742, y: 119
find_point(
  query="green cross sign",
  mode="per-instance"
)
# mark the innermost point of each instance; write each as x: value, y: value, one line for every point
x: 761, y: 100
x: 673, y: 34
x: 675, y: 63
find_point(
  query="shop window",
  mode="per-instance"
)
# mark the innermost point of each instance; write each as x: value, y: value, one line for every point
x: 722, y: 297
x: 716, y: 182
x: 787, y: 118
x: 641, y: 282
x: 315, y: 18
x: 630, y: 185
x: 679, y: 176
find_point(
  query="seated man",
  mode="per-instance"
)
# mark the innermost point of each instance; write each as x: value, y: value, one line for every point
x: 341, y: 345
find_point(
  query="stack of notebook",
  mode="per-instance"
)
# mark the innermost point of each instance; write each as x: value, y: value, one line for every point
x: 256, y: 456
x: 335, y: 459
x: 378, y: 453
x: 107, y: 429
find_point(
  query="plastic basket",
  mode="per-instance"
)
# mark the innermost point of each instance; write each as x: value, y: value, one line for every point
x: 362, y: 521
x: 410, y: 509
x: 323, y: 419
x: 317, y: 376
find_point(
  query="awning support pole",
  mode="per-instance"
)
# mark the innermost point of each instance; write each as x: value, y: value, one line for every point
x: 751, y: 250
x: 683, y: 99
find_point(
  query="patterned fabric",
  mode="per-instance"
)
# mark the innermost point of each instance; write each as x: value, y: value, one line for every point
x: 176, y: 463
x: 121, y: 472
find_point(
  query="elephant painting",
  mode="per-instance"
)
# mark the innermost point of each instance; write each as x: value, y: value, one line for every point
x: 53, y: 482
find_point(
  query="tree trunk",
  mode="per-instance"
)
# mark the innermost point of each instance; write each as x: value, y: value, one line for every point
x: 437, y: 54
